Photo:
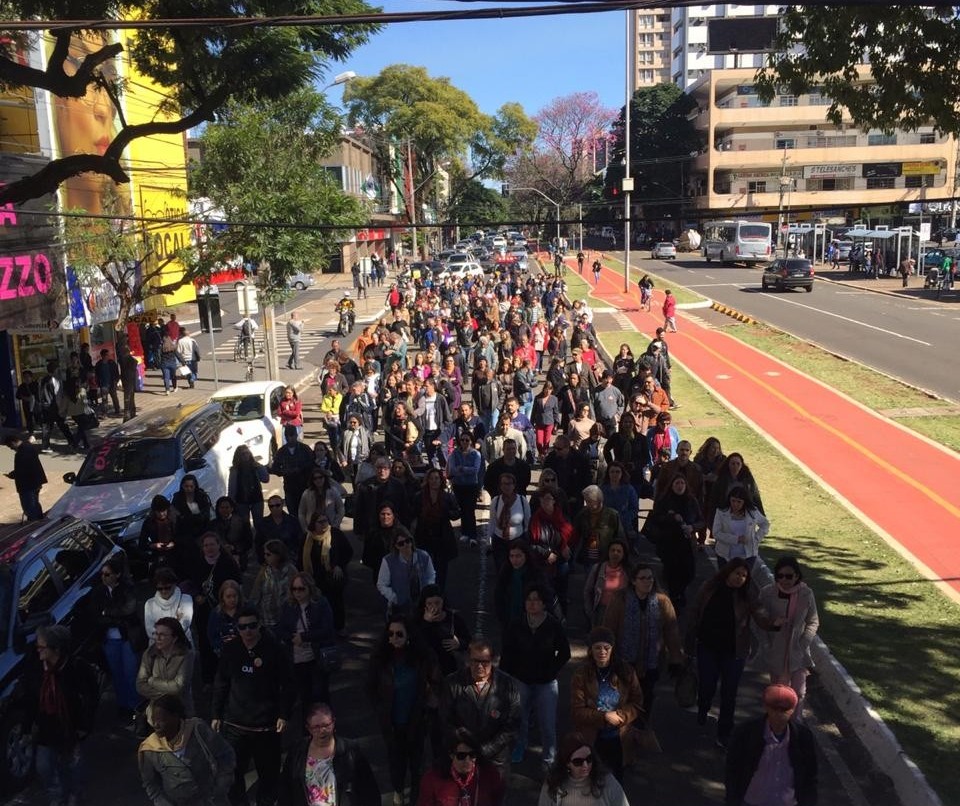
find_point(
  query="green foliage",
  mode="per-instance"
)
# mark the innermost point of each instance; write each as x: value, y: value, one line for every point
x: 261, y: 164
x: 889, y: 66
x: 477, y: 205
x: 662, y: 140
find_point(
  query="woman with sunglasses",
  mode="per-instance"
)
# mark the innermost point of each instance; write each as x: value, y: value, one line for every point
x: 403, y: 683
x: 323, y: 495
x: 169, y: 602
x: 578, y: 777
x: 306, y: 628
x: 461, y: 776
x: 404, y: 572
x: 326, y: 555
x: 167, y: 667
x: 790, y: 605
x: 272, y: 583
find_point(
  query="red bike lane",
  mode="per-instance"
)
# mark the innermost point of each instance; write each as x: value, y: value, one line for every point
x: 884, y: 471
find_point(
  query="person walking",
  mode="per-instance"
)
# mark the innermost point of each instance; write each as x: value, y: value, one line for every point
x: 129, y: 378
x: 108, y: 376
x: 669, y: 311
x: 294, y: 334
x: 580, y: 258
x: 462, y: 776
x: 579, y: 777
x: 27, y: 474
x: 597, y: 266
x: 51, y: 393
x: 189, y: 353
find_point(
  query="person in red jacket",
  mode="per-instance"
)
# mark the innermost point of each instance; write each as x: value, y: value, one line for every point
x: 463, y: 776
x: 669, y: 311
x: 291, y: 411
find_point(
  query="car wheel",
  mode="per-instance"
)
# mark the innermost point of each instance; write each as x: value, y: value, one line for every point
x: 763, y: 285
x: 809, y: 288
x: 707, y: 258
x: 16, y: 763
x: 299, y: 286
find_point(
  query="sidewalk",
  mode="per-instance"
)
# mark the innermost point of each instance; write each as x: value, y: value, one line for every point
x: 892, y: 286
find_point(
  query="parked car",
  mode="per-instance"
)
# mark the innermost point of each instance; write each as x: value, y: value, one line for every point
x: 47, y: 570
x: 254, y: 409
x: 300, y: 281
x: 664, y: 250
x: 790, y: 272
x: 148, y: 456
x: 461, y: 270
x: 933, y: 259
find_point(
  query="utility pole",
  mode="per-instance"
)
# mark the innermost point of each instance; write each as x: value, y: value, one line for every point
x: 784, y: 182
x: 412, y: 207
x: 631, y: 49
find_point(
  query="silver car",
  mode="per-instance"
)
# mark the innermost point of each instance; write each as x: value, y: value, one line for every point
x: 300, y: 281
x: 663, y: 251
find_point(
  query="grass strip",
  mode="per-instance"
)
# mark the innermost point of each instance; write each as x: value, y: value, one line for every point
x: 893, y: 630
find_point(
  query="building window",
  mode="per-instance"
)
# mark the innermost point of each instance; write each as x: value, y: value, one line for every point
x: 646, y: 77
x: 879, y: 182
x: 645, y: 21
x: 788, y: 100
x: 645, y: 57
x: 645, y: 40
x: 843, y: 183
x: 677, y: 52
x: 784, y: 142
x: 928, y: 138
x: 757, y: 187
x: 881, y: 139
x: 921, y: 181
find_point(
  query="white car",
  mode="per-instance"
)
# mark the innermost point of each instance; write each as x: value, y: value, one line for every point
x: 663, y: 251
x: 461, y: 271
x: 149, y: 456
x: 254, y: 408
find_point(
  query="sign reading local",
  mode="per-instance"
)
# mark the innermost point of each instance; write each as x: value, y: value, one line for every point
x: 32, y: 287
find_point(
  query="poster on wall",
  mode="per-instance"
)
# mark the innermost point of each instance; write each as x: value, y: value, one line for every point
x: 32, y: 287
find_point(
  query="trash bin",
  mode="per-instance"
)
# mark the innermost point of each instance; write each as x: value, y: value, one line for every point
x: 208, y: 304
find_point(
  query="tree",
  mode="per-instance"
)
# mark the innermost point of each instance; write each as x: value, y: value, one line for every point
x: 890, y: 66
x: 477, y: 205
x: 661, y: 144
x: 261, y: 168
x: 199, y: 68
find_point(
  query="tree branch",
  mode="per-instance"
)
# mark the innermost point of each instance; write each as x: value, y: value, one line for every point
x: 54, y: 79
x: 54, y: 173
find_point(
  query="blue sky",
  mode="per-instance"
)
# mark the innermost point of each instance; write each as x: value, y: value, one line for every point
x: 529, y: 60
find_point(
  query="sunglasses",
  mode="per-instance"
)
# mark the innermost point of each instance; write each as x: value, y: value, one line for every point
x: 297, y: 588
x: 786, y: 576
x: 579, y: 761
x: 275, y: 506
x: 463, y: 755
x: 249, y: 625
x: 481, y: 661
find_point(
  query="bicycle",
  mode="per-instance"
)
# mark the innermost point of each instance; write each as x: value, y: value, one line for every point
x: 248, y: 375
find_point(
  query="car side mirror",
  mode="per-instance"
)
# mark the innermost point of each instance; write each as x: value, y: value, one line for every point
x: 197, y: 463
x: 70, y: 477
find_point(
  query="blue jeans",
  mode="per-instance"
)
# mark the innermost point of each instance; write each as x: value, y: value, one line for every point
x: 30, y: 504
x: 541, y: 698
x: 169, y: 376
x: 61, y: 771
x: 123, y: 664
x: 725, y: 668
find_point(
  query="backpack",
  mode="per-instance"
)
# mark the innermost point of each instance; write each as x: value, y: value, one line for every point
x: 246, y: 329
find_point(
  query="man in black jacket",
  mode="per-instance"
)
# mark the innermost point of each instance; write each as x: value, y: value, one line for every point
x: 252, y: 700
x: 772, y: 757
x: 573, y: 472
x: 27, y: 474
x: 294, y: 463
x: 486, y: 702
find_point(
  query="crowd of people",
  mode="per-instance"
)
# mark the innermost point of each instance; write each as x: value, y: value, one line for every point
x: 450, y: 405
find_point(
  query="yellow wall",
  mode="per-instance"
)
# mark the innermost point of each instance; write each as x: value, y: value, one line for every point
x: 159, y: 172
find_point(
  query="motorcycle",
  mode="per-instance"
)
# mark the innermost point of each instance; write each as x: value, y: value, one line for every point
x: 346, y: 322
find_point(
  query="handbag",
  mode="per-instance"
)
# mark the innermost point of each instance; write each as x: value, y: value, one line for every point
x: 328, y: 659
x: 685, y: 687
x: 183, y: 371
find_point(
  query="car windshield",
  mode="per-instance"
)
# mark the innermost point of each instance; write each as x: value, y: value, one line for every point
x: 664, y: 245
x: 129, y: 460
x: 754, y: 232
x: 6, y: 598
x: 242, y: 407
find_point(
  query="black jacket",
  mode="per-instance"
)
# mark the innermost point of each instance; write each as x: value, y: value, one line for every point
x: 319, y: 625
x: 492, y: 718
x: 535, y: 656
x: 491, y: 478
x: 746, y: 748
x: 118, y: 609
x: 356, y: 783
x: 253, y: 688
x: 27, y: 471
x: 80, y: 684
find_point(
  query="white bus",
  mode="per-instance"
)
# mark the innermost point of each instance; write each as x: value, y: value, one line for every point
x: 737, y: 242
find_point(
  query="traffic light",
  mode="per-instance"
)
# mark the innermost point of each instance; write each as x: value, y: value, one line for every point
x: 505, y: 189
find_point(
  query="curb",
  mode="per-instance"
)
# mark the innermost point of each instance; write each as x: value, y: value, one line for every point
x: 896, y: 294
x: 733, y: 313
x: 911, y: 785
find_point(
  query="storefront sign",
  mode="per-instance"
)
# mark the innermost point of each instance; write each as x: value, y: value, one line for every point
x: 371, y: 235
x: 878, y: 170
x: 32, y: 288
x: 832, y: 171
x: 921, y: 168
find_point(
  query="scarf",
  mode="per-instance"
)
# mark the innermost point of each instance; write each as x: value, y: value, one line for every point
x: 630, y: 643
x: 793, y: 604
x: 323, y: 539
x: 464, y: 782
x: 158, y: 744
x: 503, y: 517
x: 53, y: 702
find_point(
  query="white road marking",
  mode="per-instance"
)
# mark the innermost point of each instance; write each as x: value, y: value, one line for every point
x: 717, y: 285
x: 772, y: 373
x: 852, y: 321
x: 724, y: 377
x: 710, y: 277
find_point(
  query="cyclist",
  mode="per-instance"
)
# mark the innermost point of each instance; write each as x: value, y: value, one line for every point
x: 346, y: 305
x: 247, y: 327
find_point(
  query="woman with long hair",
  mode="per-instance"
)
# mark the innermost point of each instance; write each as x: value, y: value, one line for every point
x: 291, y: 410
x: 738, y: 528
x: 733, y: 472
x: 403, y: 683
x: 461, y: 775
x: 191, y: 509
x: 442, y: 630
x: 245, y: 484
x: 604, y: 580
x: 323, y: 495
x: 166, y: 666
x: 545, y: 417
x: 709, y: 457
x: 326, y: 555
x: 272, y: 583
x: 222, y: 626
x: 718, y: 631
x: 606, y: 699
x: 672, y: 527
x: 790, y: 605
x: 435, y: 508
x: 209, y: 573
x: 579, y: 776
x: 574, y: 395
x: 306, y: 627
x: 551, y: 538
x: 620, y: 495
x: 236, y: 536
x: 624, y: 367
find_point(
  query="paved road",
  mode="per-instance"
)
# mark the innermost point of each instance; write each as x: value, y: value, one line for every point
x: 906, y: 337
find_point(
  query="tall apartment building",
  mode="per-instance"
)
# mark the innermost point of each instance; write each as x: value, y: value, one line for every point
x: 652, y: 51
x: 689, y: 56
